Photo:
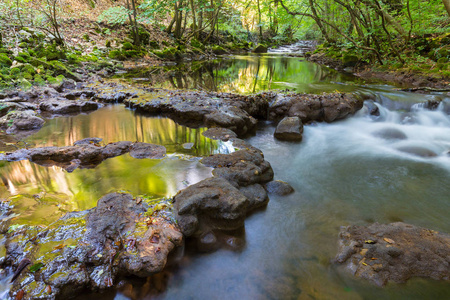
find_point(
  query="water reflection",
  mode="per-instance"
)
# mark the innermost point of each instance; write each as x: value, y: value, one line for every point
x: 115, y: 123
x: 49, y: 192
x: 246, y: 74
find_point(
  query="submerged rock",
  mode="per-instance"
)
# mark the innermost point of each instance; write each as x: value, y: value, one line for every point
x: 390, y: 134
x: 89, y: 250
x: 417, y: 151
x: 394, y: 252
x: 289, y: 129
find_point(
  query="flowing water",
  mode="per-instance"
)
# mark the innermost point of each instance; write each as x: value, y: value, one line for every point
x: 394, y: 166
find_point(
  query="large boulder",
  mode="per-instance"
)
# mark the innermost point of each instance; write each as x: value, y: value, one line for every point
x: 89, y: 250
x: 213, y: 203
x: 260, y: 49
x: 394, y: 252
x: 289, y: 129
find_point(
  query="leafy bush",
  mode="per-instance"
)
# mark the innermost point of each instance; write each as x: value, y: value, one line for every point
x: 114, y: 15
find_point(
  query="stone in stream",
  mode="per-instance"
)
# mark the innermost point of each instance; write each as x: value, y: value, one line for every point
x: 60, y: 106
x: 89, y: 250
x: 394, y: 252
x: 84, y: 153
x: 26, y: 120
x: 326, y: 107
x: 390, y: 134
x: 260, y: 49
x: 417, y: 151
x: 278, y: 187
x: 222, y: 202
x: 217, y: 133
x: 289, y: 129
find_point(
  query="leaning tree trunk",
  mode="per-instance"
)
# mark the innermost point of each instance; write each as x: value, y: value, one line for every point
x: 447, y: 6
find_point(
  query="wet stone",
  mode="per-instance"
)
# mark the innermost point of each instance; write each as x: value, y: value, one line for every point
x: 217, y: 133
x: 279, y: 187
x: 289, y: 129
x: 394, y: 252
x: 145, y: 150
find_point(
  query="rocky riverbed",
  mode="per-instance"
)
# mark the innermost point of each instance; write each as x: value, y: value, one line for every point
x: 127, y: 235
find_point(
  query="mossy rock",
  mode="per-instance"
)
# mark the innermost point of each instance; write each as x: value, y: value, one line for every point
x: 27, y: 76
x: 349, y: 60
x: 15, y: 71
x: 116, y: 54
x: 165, y: 43
x: 132, y: 53
x: 5, y: 60
x: 108, y: 44
x: 216, y: 49
x: 24, y: 84
x: 27, y: 68
x: 442, y: 60
x: 154, y: 44
x: 23, y: 45
x: 261, y: 48
x: 144, y: 36
x: 39, y: 80
x: 127, y: 46
x: 86, y: 37
x: 92, y: 58
x: 170, y: 53
x: 57, y: 67
x: 73, y: 58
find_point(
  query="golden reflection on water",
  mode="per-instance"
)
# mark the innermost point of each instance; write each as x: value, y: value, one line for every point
x: 115, y: 123
x: 39, y: 192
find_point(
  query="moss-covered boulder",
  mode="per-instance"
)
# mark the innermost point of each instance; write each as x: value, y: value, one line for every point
x: 127, y: 46
x: 116, y: 54
x: 216, y: 49
x: 170, y: 53
x: 154, y: 44
x: 349, y: 60
x: 5, y: 61
x: 57, y: 67
x: 260, y: 49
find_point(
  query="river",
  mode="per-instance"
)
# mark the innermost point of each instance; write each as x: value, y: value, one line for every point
x: 388, y: 167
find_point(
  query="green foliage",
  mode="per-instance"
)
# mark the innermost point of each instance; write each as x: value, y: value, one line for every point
x: 5, y: 60
x: 114, y: 15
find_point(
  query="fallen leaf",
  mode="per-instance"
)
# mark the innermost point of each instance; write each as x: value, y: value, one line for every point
x: 388, y: 240
x: 20, y: 294
x: 48, y: 289
x: 369, y: 242
x: 60, y: 246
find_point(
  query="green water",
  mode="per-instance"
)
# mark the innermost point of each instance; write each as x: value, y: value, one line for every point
x: 246, y: 74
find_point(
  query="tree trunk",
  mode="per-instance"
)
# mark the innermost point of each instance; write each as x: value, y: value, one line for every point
x: 447, y: 6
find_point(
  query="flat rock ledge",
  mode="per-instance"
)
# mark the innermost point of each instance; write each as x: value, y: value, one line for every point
x: 89, y: 250
x: 86, y: 153
x: 394, y: 252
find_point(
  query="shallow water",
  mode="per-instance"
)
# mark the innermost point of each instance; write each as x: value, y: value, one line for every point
x: 246, y: 74
x: 360, y: 170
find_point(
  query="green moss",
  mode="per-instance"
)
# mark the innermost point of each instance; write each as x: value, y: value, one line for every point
x: 108, y: 44
x: 5, y: 60
x: 349, y: 60
x: 39, y: 80
x: 170, y: 53
x: 73, y: 58
x: 51, y: 79
x: 15, y: 71
x: 442, y: 60
x: 127, y: 46
x: 92, y: 58
x: 24, y: 84
x: 23, y: 45
x: 86, y: 37
x: 218, y: 50
x: 27, y: 76
x: 115, y: 54
x: 27, y: 68
x: 154, y: 44
x: 132, y: 53
x: 57, y: 67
